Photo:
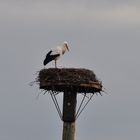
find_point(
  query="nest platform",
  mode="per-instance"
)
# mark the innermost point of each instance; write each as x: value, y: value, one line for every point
x: 69, y: 79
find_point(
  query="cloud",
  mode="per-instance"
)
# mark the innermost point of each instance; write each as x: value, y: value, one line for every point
x: 72, y: 13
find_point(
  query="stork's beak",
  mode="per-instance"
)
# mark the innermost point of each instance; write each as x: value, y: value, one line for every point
x: 67, y: 47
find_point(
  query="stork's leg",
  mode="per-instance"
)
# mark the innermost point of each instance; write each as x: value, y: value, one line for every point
x: 55, y: 64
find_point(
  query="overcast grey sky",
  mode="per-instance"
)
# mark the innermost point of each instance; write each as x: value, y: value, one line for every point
x: 104, y: 36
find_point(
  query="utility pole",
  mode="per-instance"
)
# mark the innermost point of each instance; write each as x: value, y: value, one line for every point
x: 69, y: 113
x: 70, y: 82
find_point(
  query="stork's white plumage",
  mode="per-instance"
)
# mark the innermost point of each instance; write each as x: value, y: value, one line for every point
x: 56, y: 53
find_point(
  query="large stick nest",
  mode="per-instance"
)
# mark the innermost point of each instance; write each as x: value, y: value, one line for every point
x: 69, y: 79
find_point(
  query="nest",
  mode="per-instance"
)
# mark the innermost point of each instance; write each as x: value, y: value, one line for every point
x: 69, y: 79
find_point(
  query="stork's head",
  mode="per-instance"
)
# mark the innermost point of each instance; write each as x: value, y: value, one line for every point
x: 65, y: 44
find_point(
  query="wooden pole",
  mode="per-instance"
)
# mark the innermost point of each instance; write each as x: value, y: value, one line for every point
x: 69, y: 111
x: 68, y: 131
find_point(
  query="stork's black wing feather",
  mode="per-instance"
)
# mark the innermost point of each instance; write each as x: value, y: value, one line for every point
x: 49, y: 53
x: 50, y: 57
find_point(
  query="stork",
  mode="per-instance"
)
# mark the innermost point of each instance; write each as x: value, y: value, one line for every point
x: 56, y: 53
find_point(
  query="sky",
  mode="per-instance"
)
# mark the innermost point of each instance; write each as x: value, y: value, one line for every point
x: 104, y: 36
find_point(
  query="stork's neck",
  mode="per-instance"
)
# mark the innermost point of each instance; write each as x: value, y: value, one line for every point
x: 64, y: 49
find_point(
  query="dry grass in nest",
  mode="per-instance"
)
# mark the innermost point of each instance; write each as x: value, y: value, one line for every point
x: 60, y: 80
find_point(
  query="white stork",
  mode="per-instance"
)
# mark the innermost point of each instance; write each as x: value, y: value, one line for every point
x: 56, y: 53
